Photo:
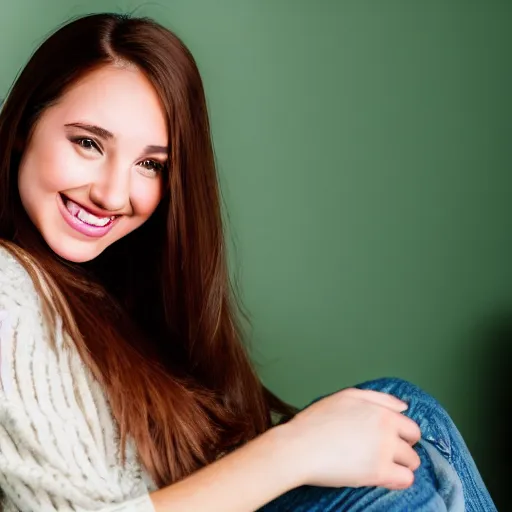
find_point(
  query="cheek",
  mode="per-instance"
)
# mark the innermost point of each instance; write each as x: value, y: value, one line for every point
x: 49, y: 168
x: 146, y: 197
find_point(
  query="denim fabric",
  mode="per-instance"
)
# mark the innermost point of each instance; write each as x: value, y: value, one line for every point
x: 447, y: 479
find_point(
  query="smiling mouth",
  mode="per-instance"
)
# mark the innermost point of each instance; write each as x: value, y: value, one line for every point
x: 80, y: 213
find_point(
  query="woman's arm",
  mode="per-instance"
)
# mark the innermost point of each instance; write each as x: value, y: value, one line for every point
x: 353, y: 438
x: 242, y: 481
x: 57, y: 451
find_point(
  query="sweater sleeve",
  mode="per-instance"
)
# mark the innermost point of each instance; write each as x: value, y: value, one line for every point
x: 58, y: 444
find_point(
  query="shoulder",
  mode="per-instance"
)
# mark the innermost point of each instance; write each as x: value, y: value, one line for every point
x: 51, y: 406
x: 11, y: 268
x: 16, y: 285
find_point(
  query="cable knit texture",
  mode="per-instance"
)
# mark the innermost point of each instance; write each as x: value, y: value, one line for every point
x: 59, y: 449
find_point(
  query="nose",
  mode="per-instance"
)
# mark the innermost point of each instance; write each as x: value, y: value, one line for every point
x: 111, y: 190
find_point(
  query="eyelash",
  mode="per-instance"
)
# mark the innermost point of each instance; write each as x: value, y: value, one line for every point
x: 151, y: 165
x: 94, y: 145
x: 154, y: 165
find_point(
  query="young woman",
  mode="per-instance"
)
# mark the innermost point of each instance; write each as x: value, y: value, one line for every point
x: 124, y: 384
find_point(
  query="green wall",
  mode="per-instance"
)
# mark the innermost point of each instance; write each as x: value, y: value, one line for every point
x: 364, y: 152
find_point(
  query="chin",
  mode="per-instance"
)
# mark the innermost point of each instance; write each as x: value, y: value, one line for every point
x: 74, y: 251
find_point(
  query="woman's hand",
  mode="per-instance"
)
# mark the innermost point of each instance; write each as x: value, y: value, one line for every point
x: 350, y: 439
x: 353, y: 438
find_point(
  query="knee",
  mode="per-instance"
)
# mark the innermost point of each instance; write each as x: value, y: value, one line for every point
x: 436, y: 425
x: 403, y: 389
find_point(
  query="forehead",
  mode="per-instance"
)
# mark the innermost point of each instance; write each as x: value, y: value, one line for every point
x: 119, y: 99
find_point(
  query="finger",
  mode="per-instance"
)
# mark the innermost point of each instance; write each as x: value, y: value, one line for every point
x: 398, y: 477
x: 408, y: 430
x: 383, y: 399
x: 406, y: 456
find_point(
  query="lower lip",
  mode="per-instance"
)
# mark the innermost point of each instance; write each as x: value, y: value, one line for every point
x: 82, y: 227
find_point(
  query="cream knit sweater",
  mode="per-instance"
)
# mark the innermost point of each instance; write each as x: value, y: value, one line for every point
x: 58, y: 445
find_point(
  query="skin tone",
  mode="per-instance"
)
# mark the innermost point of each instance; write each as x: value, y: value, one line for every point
x: 353, y: 438
x: 103, y: 151
x: 100, y: 152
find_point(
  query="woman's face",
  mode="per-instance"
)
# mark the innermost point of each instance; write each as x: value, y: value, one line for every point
x: 93, y: 169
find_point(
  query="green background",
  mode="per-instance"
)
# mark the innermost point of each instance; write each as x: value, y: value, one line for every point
x: 365, y: 157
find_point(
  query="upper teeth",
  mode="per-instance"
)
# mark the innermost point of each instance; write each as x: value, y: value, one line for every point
x: 84, y: 216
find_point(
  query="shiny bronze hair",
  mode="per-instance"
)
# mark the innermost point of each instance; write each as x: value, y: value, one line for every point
x: 154, y: 316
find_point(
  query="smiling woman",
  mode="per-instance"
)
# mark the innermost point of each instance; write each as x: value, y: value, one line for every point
x: 124, y: 381
x: 93, y: 170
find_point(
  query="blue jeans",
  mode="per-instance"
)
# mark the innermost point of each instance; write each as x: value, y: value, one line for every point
x: 447, y: 479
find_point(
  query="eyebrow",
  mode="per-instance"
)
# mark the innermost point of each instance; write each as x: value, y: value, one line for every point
x: 105, y: 134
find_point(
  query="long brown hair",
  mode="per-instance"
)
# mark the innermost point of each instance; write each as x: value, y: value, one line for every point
x: 154, y: 316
